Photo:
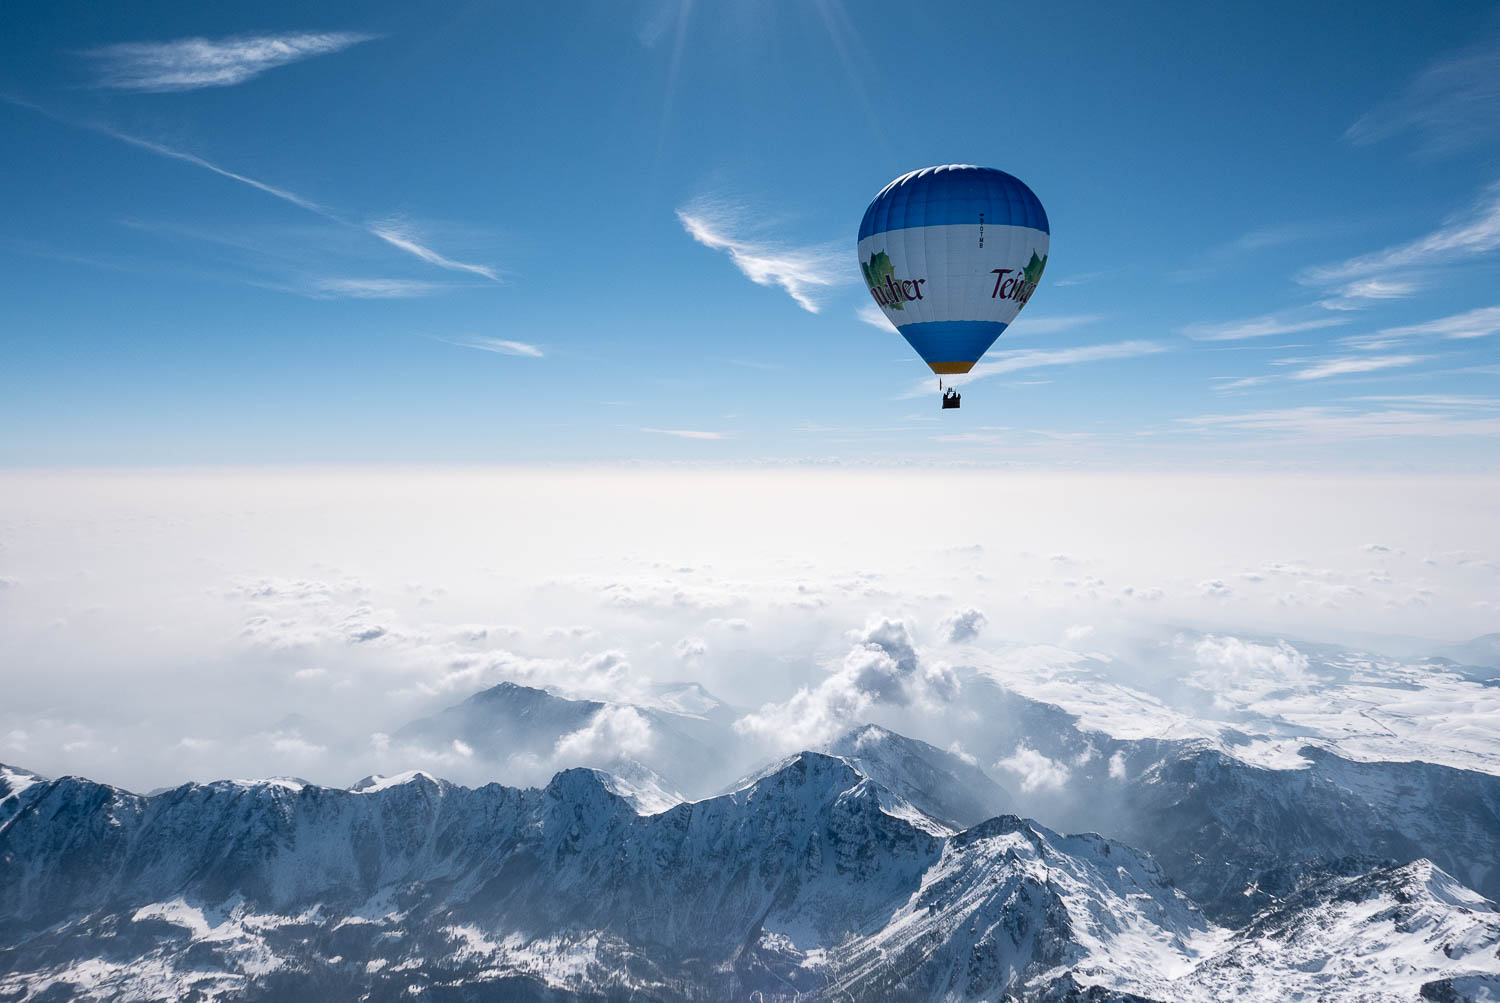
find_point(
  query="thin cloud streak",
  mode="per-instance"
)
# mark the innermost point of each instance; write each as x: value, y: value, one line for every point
x: 499, y: 346
x: 1480, y: 323
x: 1050, y: 325
x: 684, y: 433
x: 402, y: 238
x: 804, y: 273
x: 1361, y: 294
x: 1451, y: 104
x: 197, y: 161
x: 382, y: 289
x: 386, y: 231
x: 192, y: 63
x: 1242, y: 383
x: 1010, y: 362
x: 1465, y: 235
x: 1355, y: 364
x: 1442, y: 401
x: 1258, y: 327
x: 1324, y: 424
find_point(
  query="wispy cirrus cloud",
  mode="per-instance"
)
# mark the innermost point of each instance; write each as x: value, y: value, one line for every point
x: 375, y: 289
x: 1362, y: 294
x: 1338, y: 422
x: 1480, y: 323
x: 804, y: 272
x: 1355, y: 364
x: 1223, y: 257
x: 1226, y: 383
x: 1379, y: 289
x: 185, y: 64
x: 1438, y: 401
x: 1318, y: 369
x: 874, y: 316
x: 402, y: 236
x: 1261, y: 327
x: 1055, y: 324
x: 1077, y: 279
x: 397, y: 235
x: 998, y: 364
x: 499, y: 346
x: 197, y: 161
x: 1450, y: 105
x: 1474, y: 232
x: 685, y: 433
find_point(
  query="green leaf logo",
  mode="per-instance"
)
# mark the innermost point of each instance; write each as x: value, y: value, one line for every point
x: 877, y: 270
x: 1033, y: 270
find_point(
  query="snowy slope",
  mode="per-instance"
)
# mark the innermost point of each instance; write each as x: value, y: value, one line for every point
x: 1378, y: 937
x: 1222, y: 826
x: 812, y: 880
x: 937, y: 782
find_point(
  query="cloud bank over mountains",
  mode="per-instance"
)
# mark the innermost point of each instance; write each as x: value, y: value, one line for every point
x: 229, y: 624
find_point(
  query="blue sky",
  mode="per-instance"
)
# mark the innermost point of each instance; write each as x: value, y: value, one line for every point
x: 528, y: 233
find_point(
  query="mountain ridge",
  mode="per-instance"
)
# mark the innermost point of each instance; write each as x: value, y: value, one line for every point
x: 813, y: 879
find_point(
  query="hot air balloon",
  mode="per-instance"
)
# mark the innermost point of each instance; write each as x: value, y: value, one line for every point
x: 951, y: 255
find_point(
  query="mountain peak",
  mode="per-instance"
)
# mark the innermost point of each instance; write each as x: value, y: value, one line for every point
x: 380, y: 782
x: 584, y: 785
x: 939, y: 783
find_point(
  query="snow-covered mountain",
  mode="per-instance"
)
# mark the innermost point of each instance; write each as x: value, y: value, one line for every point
x: 1481, y: 651
x: 1373, y: 937
x: 1236, y: 834
x: 1238, y: 837
x: 939, y: 784
x: 683, y: 742
x: 814, y: 881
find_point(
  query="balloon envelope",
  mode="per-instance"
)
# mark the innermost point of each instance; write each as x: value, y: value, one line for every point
x: 951, y: 255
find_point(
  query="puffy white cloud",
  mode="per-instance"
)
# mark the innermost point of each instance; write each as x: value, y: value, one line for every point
x: 1117, y: 766
x: 955, y: 748
x: 963, y: 625
x: 690, y: 650
x: 1239, y: 672
x: 295, y: 747
x: 882, y: 668
x: 576, y: 632
x: 612, y: 733
x: 1035, y: 771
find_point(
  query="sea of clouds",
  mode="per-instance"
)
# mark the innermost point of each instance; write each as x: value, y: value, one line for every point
x: 161, y: 626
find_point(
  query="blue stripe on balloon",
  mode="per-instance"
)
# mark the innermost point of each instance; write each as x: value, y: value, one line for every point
x: 941, y: 196
x: 952, y: 340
